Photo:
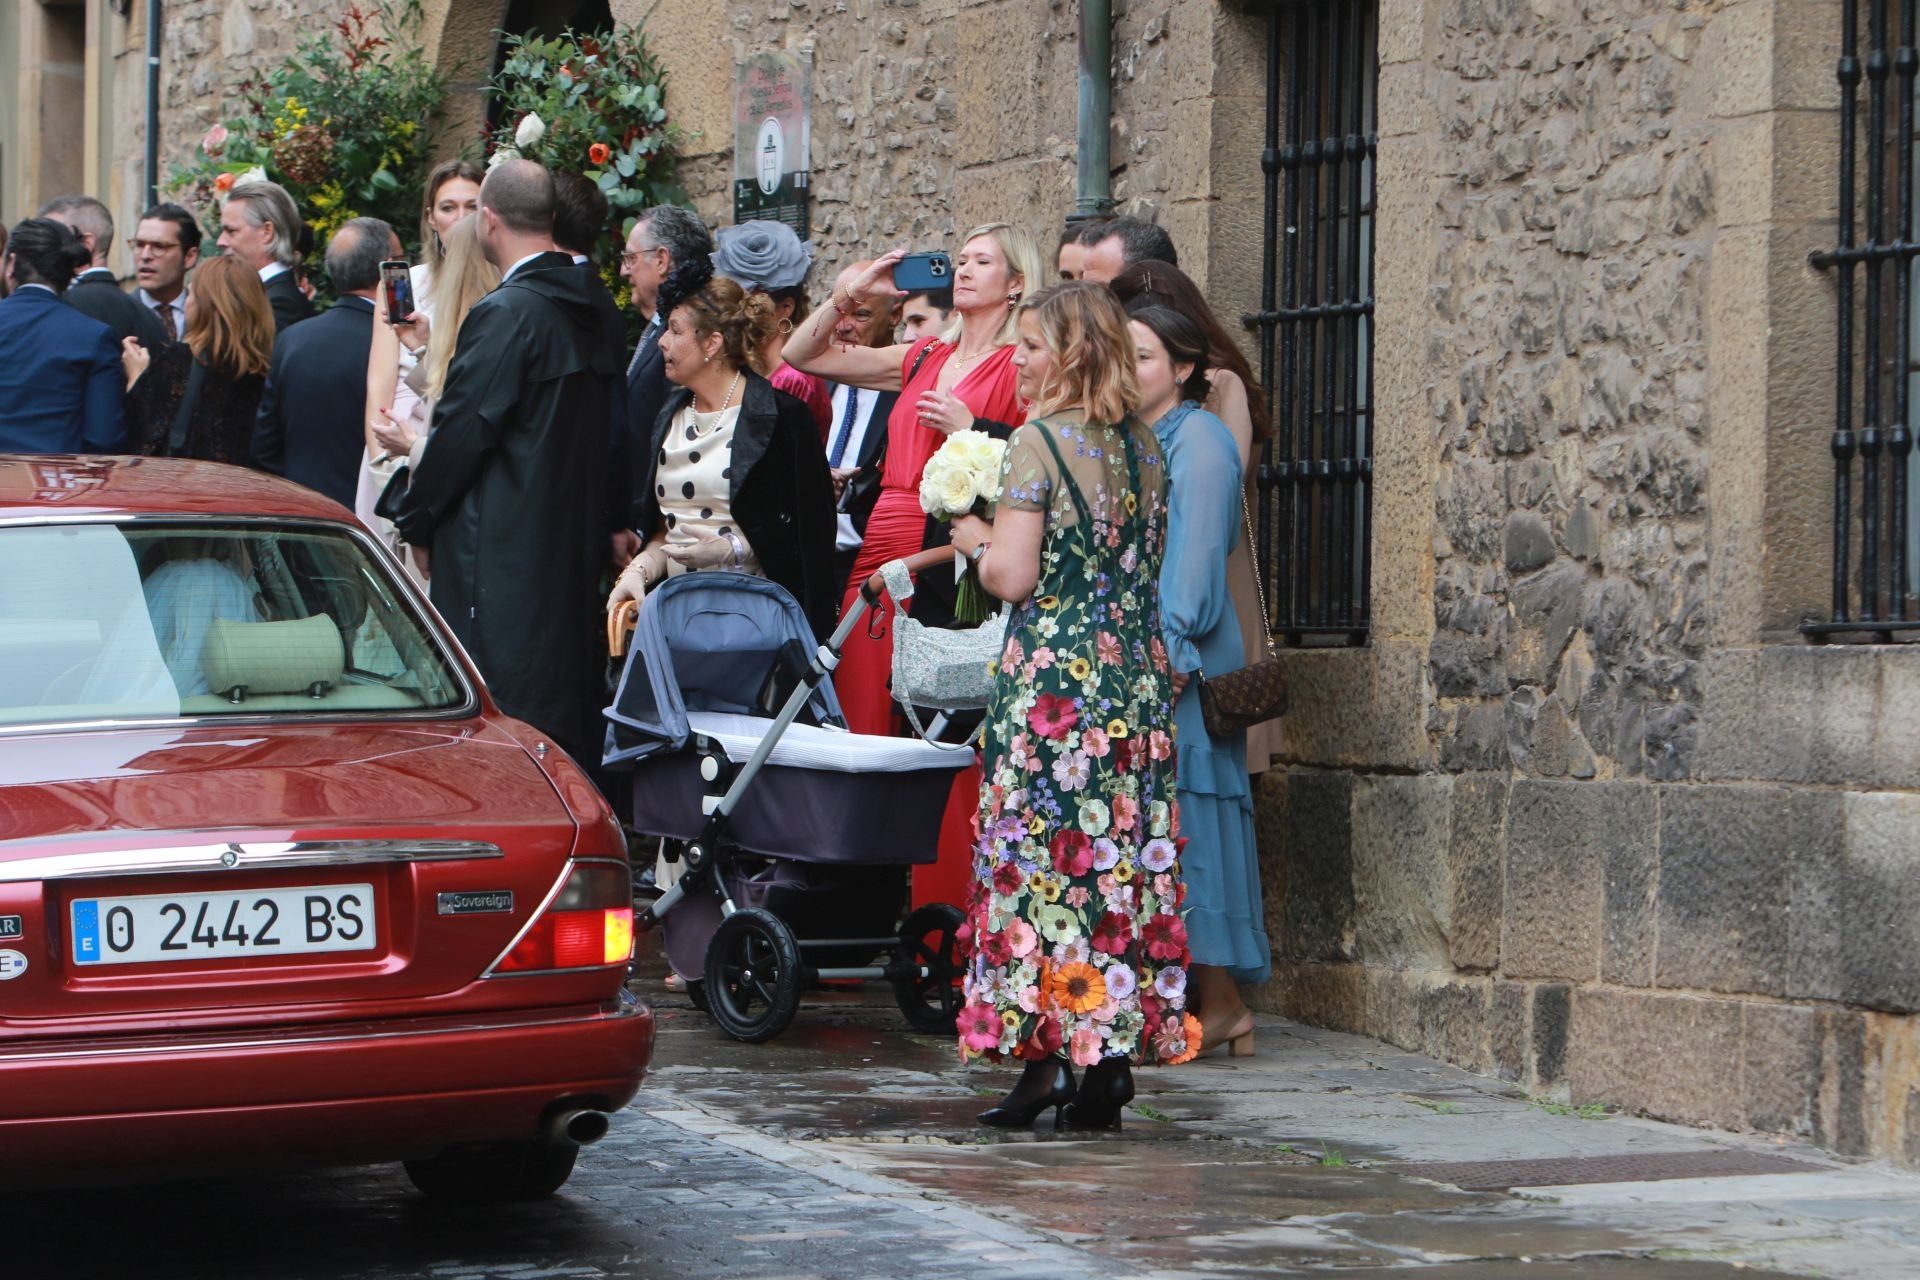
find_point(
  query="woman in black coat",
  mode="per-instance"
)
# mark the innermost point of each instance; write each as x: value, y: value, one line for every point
x: 737, y: 478
x: 197, y: 398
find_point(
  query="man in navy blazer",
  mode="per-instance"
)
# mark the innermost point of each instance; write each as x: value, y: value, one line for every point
x: 310, y: 428
x: 62, y: 386
x: 665, y: 236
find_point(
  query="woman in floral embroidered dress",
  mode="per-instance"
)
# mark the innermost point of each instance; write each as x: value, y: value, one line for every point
x: 1079, y: 953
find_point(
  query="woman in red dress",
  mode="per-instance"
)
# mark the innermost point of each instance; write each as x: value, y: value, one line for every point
x: 962, y: 379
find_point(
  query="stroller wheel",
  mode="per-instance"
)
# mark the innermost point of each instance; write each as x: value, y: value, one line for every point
x: 753, y: 975
x: 929, y: 940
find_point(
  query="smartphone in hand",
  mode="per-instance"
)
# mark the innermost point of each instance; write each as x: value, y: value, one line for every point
x: 919, y: 272
x: 397, y: 282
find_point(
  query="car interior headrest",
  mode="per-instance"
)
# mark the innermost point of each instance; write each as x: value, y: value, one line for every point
x: 302, y: 656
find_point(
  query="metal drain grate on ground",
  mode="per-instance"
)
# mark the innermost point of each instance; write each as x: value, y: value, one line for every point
x: 1658, y: 1166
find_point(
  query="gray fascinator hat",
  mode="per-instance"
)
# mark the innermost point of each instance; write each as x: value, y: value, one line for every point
x: 762, y: 255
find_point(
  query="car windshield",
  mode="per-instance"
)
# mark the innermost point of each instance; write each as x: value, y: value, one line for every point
x: 142, y: 621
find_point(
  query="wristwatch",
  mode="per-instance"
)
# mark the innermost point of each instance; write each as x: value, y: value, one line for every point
x: 973, y: 557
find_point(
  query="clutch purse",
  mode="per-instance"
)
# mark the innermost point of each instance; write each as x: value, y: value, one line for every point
x: 1257, y: 692
x: 394, y: 495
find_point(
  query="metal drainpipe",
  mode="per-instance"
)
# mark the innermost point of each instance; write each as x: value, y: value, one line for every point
x: 153, y: 102
x: 1094, y: 189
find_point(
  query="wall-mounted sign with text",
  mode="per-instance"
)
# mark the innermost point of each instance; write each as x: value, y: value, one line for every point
x: 772, y: 124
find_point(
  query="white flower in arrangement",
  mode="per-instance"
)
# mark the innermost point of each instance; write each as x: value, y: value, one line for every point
x: 500, y: 157
x: 255, y: 174
x: 532, y: 129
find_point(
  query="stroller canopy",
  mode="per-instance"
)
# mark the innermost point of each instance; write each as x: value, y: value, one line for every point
x: 708, y: 642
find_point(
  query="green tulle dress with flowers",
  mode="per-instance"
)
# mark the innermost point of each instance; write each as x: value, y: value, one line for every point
x: 1078, y: 949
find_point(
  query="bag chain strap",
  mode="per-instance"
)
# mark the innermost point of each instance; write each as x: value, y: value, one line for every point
x: 1259, y: 585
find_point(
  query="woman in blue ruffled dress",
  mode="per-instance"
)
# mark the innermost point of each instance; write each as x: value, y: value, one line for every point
x: 1223, y: 905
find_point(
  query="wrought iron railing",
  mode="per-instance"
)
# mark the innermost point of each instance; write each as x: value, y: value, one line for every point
x: 1873, y: 387
x: 1315, y: 322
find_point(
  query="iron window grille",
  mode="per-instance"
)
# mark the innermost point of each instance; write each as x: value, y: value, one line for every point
x: 1315, y: 323
x: 1872, y: 444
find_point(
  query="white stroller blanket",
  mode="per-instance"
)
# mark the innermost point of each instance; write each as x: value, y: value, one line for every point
x: 806, y: 746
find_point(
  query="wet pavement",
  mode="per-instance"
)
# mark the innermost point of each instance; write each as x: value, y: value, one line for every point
x: 847, y: 1149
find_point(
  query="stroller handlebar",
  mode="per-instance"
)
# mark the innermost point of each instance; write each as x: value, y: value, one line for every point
x: 875, y: 586
x: 621, y: 620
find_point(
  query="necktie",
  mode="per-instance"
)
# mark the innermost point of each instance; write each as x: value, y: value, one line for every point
x: 646, y: 342
x: 839, y: 450
x: 166, y: 320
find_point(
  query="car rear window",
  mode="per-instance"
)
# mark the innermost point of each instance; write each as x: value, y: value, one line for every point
x: 144, y: 620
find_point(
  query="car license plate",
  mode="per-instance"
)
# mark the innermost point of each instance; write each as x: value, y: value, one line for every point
x: 214, y: 926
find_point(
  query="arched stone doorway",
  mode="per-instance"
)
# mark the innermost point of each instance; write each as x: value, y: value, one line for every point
x: 461, y: 38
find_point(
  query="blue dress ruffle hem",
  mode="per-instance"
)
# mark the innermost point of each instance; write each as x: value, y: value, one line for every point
x: 1224, y: 910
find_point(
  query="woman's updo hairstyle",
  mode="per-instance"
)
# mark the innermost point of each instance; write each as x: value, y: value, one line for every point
x: 1185, y: 344
x: 47, y: 252
x: 746, y: 321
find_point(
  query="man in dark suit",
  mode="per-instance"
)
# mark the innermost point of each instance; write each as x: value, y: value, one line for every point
x: 857, y: 442
x: 311, y: 412
x: 96, y: 291
x: 260, y: 226
x: 579, y: 218
x: 61, y: 383
x: 665, y: 236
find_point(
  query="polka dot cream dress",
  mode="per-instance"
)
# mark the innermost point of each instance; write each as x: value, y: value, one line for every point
x: 694, y: 480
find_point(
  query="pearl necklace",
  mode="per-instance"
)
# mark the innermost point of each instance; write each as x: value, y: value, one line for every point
x: 702, y: 427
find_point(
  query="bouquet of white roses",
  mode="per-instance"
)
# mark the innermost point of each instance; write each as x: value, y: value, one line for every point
x: 962, y: 478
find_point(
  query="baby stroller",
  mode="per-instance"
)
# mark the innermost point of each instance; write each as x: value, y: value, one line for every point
x: 798, y: 832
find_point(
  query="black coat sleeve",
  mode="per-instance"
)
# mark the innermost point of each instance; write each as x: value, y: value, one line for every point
x: 816, y: 524
x: 483, y: 386
x: 269, y: 424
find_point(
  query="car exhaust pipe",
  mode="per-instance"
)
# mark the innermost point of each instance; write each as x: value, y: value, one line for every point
x: 577, y: 1128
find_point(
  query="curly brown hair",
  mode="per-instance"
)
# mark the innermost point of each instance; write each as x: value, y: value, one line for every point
x: 745, y: 320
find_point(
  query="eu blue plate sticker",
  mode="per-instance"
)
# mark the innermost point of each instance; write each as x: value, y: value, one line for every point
x: 86, y: 932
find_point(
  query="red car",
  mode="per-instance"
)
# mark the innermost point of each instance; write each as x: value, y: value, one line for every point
x: 278, y: 883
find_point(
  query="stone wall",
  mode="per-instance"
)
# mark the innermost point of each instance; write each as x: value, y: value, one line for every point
x: 210, y: 47
x: 1587, y: 813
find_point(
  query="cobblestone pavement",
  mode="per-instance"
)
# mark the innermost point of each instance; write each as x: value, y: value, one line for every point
x: 846, y: 1149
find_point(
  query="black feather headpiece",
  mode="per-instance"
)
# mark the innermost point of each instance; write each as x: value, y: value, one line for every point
x: 686, y: 279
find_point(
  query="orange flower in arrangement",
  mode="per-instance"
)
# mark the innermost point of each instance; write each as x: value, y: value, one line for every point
x: 599, y: 153
x: 1079, y: 988
x: 1194, y: 1035
x: 224, y: 182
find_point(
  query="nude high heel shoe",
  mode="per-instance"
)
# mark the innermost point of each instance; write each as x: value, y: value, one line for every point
x: 1238, y: 1038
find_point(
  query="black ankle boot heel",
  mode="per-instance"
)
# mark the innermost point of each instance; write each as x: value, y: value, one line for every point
x: 1105, y: 1091
x: 1042, y: 1085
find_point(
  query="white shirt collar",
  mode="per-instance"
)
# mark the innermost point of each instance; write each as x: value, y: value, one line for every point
x: 579, y: 259
x: 523, y: 262
x: 273, y: 269
x: 35, y: 284
x: 147, y: 300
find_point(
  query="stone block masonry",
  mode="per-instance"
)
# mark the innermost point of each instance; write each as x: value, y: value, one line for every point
x: 1724, y: 954
x: 1587, y: 799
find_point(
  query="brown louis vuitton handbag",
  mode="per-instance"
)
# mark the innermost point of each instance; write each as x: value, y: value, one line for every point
x: 1257, y: 692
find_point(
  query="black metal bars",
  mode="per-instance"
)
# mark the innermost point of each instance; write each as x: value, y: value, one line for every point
x: 1315, y: 324
x: 1875, y: 331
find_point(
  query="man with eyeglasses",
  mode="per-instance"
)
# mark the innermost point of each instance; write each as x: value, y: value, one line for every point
x: 665, y: 236
x: 166, y: 246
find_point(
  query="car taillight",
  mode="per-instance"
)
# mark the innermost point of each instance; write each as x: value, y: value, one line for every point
x: 588, y: 925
